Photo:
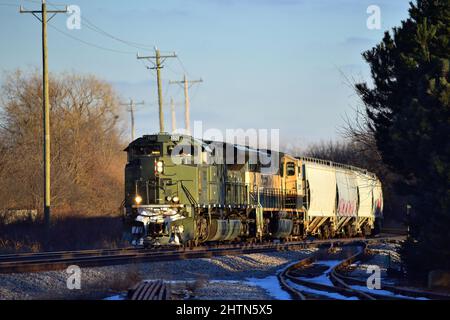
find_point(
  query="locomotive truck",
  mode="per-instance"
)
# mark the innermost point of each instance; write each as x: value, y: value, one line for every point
x: 177, y: 193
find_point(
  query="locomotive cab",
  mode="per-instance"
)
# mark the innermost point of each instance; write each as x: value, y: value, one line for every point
x: 157, y: 174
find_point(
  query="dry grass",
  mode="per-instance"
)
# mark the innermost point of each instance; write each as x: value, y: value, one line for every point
x: 124, y: 281
x: 199, y: 283
x: 72, y: 232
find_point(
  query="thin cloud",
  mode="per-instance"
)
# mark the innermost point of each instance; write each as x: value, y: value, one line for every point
x: 257, y: 2
x: 357, y: 41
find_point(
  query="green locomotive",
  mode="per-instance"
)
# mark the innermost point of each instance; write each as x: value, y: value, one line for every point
x: 184, y: 191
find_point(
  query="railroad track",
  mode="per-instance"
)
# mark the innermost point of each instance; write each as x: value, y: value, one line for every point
x: 45, y: 261
x: 399, y: 230
x: 330, y: 283
x: 150, y: 290
x: 397, y: 292
x: 310, y: 277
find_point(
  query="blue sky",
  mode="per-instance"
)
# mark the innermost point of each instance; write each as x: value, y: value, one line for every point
x: 265, y: 63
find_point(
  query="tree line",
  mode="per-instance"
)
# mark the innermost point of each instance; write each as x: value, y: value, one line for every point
x: 402, y: 131
x: 87, y: 160
x: 407, y: 112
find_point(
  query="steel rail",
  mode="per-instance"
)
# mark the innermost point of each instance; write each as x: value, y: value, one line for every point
x: 44, y: 261
x: 45, y: 255
x: 286, y: 276
x: 343, y: 284
x: 401, y: 292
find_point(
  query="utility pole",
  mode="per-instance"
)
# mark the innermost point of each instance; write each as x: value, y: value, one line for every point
x: 186, y: 84
x: 131, y: 106
x: 158, y: 65
x: 45, y: 102
x: 174, y: 120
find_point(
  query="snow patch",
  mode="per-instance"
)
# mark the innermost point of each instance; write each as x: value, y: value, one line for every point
x: 271, y: 285
x: 323, y: 278
x: 121, y: 296
x: 332, y: 295
x: 386, y: 293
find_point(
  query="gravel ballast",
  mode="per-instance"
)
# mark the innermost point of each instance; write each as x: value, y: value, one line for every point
x: 223, y: 277
x: 384, y: 255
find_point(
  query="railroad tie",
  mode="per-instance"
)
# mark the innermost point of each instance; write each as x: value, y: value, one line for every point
x: 152, y: 293
x: 142, y: 290
x: 161, y: 293
x: 167, y: 293
x: 150, y: 290
x: 134, y: 292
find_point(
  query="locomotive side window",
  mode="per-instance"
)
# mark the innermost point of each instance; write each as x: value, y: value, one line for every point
x: 290, y: 169
x: 151, y: 150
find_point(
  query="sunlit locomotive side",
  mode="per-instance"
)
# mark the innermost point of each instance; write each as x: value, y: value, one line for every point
x: 176, y: 192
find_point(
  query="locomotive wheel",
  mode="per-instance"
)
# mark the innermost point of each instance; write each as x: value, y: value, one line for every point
x: 202, y: 230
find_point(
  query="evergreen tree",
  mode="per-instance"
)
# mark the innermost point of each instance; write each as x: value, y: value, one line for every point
x: 409, y: 113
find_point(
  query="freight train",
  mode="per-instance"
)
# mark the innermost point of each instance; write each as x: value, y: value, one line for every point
x: 178, y: 193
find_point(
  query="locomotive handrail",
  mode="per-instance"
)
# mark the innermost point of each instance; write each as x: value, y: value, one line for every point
x: 188, y: 194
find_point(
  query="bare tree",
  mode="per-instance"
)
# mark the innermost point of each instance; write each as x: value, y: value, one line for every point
x: 86, y: 146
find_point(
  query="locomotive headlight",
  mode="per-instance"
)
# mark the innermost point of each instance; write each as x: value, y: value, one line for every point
x: 168, y: 198
x: 175, y: 199
x: 159, y: 166
x: 138, y: 199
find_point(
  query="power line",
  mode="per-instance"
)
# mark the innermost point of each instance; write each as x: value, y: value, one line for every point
x: 194, y: 94
x: 89, y: 43
x: 173, y: 71
x: 95, y: 28
x: 102, y: 31
x: 183, y: 67
x: 92, y: 26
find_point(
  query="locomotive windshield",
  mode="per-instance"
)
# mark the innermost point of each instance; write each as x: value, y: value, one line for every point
x: 148, y: 150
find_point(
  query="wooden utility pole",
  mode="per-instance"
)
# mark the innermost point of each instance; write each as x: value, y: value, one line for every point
x: 186, y: 84
x: 45, y: 101
x: 131, y: 106
x: 158, y: 65
x: 172, y: 110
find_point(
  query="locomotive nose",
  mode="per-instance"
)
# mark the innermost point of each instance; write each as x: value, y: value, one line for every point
x: 141, y: 181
